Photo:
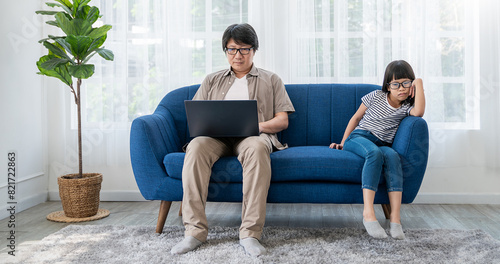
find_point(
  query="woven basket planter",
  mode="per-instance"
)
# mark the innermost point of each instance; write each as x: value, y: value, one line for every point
x: 80, y: 197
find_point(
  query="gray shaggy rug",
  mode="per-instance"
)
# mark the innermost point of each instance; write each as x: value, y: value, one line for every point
x: 140, y: 244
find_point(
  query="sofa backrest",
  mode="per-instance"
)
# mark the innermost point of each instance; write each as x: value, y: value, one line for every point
x: 322, y: 111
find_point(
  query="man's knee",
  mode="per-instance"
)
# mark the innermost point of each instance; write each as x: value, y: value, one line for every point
x: 255, y: 145
x: 202, y: 151
x: 204, y: 148
x: 197, y: 143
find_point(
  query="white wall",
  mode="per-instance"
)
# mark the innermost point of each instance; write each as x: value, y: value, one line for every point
x: 22, y: 106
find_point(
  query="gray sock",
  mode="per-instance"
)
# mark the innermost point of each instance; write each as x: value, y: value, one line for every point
x: 397, y: 231
x: 252, y: 246
x: 187, y: 244
x: 374, y: 229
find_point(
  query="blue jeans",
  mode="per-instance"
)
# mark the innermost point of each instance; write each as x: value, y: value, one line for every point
x: 379, y: 157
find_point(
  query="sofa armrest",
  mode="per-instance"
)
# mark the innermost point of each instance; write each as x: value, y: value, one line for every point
x: 412, y: 144
x: 151, y: 138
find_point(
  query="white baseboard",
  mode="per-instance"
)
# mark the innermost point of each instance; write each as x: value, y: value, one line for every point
x: 457, y: 198
x: 117, y: 196
x: 24, y: 204
x: 109, y: 196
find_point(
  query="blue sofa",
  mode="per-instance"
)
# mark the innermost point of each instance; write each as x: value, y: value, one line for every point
x: 307, y: 172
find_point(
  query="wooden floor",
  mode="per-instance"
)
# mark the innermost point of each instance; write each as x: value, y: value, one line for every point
x: 31, y: 225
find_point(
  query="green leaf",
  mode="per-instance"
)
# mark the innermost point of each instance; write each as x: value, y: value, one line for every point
x: 106, y: 54
x: 83, y: 4
x: 56, y: 50
x: 50, y: 37
x: 77, y: 26
x: 60, y: 73
x: 78, y: 5
x: 43, y: 12
x: 100, y: 31
x: 66, y: 3
x: 82, y: 27
x: 79, y: 45
x: 54, y: 37
x: 64, y: 44
x: 65, y: 8
x: 52, y: 23
x: 92, y: 15
x: 89, y: 56
x: 83, y: 71
x: 97, y: 43
x: 65, y: 24
x: 82, y: 12
x: 53, y: 63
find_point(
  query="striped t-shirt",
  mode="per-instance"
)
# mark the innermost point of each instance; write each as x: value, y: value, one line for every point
x: 380, y: 118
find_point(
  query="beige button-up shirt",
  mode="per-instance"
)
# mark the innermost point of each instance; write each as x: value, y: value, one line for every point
x: 264, y: 86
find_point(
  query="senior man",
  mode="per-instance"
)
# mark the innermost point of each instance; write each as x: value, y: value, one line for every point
x: 242, y: 81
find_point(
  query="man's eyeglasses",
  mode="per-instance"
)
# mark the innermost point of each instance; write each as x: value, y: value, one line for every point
x: 243, y: 51
x: 395, y: 85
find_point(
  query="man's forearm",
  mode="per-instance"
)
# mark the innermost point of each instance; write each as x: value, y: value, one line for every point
x: 275, y: 125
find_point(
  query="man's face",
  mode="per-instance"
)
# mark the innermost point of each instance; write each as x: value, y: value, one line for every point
x: 241, y: 64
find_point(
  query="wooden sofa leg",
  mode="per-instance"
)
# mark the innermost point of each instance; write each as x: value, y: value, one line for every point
x: 162, y: 216
x: 180, y: 210
x: 387, y: 210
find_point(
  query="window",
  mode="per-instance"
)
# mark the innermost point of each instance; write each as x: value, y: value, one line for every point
x: 352, y: 41
x: 163, y: 45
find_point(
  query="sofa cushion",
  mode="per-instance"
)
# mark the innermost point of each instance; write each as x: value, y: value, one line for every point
x: 226, y: 169
x: 322, y: 112
x: 316, y: 163
x: 295, y: 164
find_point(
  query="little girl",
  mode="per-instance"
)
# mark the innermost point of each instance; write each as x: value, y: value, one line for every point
x: 370, y: 133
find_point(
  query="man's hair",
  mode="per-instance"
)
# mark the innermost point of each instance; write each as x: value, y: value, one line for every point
x: 241, y: 34
x: 398, y: 69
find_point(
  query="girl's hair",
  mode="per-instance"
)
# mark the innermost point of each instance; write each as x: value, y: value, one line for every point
x: 241, y: 34
x: 398, y: 70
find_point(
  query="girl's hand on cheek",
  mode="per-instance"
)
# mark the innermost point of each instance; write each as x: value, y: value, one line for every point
x: 412, y: 89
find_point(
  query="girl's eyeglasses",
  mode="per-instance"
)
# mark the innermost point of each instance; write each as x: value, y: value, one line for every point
x: 395, y: 85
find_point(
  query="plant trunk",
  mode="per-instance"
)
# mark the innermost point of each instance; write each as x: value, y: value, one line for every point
x: 79, y: 110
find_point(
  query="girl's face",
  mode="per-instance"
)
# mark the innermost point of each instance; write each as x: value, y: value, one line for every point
x: 399, y: 89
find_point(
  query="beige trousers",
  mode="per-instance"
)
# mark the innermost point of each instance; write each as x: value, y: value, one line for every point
x: 201, y: 153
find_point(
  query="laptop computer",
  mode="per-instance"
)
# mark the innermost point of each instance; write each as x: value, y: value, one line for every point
x: 222, y: 118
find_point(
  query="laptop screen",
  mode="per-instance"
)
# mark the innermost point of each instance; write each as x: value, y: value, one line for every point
x: 222, y: 118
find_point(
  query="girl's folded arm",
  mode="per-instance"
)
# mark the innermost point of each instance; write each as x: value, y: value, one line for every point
x: 419, y: 105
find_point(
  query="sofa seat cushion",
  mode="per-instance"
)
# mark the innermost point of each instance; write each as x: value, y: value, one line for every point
x: 295, y: 164
x: 226, y: 169
x: 316, y: 163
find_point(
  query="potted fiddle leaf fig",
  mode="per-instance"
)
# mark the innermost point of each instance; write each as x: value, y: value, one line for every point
x: 68, y: 60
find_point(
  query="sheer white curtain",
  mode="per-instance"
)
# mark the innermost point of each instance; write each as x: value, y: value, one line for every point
x: 119, y: 91
x: 353, y: 41
x: 163, y: 45
x: 477, y: 147
x: 487, y: 139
